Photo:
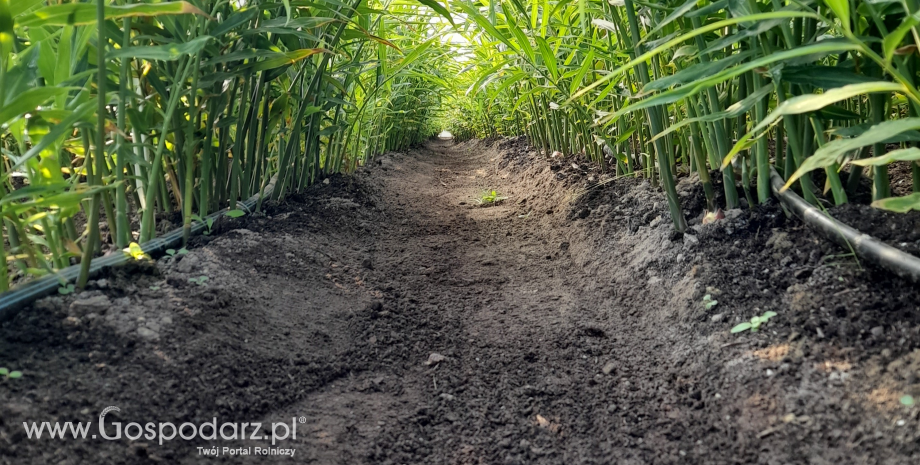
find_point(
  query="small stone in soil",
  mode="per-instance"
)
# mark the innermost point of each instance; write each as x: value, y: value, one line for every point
x: 96, y: 304
x: 608, y: 368
x: 147, y: 333
x: 435, y: 358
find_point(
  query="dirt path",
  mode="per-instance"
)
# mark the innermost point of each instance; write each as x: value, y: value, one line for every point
x: 567, y: 329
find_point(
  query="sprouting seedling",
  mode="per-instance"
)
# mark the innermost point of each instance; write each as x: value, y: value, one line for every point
x: 67, y: 289
x: 6, y: 373
x: 754, y: 324
x: 235, y: 213
x: 135, y: 251
x: 199, y: 280
x: 154, y: 288
x: 174, y: 252
x: 490, y: 197
x: 709, y: 302
x: 907, y: 400
x: 209, y: 222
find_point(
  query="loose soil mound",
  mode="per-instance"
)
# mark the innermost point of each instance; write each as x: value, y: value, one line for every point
x: 402, y: 323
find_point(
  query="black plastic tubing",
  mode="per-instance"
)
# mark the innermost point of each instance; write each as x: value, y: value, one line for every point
x: 865, y: 246
x: 11, y: 302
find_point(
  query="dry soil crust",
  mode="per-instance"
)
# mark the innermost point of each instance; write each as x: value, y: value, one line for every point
x: 568, y: 327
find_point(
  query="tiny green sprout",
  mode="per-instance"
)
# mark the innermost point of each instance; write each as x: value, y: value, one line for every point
x: 68, y: 289
x: 154, y: 288
x: 174, y: 252
x: 907, y: 401
x: 490, y: 197
x: 754, y: 324
x: 709, y: 302
x: 235, y: 213
x: 199, y: 280
x: 209, y: 222
x: 5, y: 372
x: 135, y: 251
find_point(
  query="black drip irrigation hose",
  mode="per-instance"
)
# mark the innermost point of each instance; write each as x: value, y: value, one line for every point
x: 865, y: 246
x: 11, y: 302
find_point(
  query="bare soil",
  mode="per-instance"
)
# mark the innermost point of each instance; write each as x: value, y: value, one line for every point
x: 405, y: 324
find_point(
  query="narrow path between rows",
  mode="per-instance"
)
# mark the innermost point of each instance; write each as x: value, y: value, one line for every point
x: 401, y: 323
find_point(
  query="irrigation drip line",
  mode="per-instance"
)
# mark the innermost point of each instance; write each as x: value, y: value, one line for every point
x: 865, y: 246
x: 11, y: 302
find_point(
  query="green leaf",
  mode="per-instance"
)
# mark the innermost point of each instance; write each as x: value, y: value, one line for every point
x: 19, y: 7
x: 694, y: 72
x: 893, y: 39
x: 908, y: 154
x: 29, y: 100
x: 832, y: 151
x: 284, y: 58
x: 412, y: 56
x: 823, y: 77
x: 812, y: 102
x: 436, y: 6
x: 767, y: 315
x: 82, y: 112
x: 742, y: 327
x: 7, y: 33
x: 669, y: 45
x: 234, y: 20
x: 169, y: 52
x: 676, y: 14
x: 235, y: 213
x: 838, y: 113
x: 15, y: 374
x: 907, y: 400
x: 735, y: 110
x: 4, y: 371
x: 288, y: 11
x: 674, y: 95
x: 549, y: 58
x: 85, y: 13
x: 841, y: 8
x: 899, y: 204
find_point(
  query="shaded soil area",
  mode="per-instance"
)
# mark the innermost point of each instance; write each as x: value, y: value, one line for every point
x: 393, y: 320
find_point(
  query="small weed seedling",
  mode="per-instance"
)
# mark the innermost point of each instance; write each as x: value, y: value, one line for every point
x: 174, y: 252
x: 6, y: 373
x: 907, y: 400
x: 201, y: 280
x: 68, y: 289
x: 754, y: 324
x: 490, y: 197
x: 709, y: 302
x: 235, y: 213
x: 209, y: 222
